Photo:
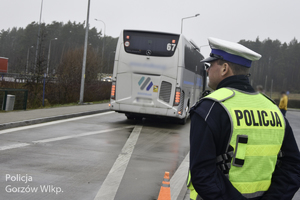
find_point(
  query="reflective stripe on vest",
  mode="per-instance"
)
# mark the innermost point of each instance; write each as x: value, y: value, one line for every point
x: 193, y: 194
x: 256, y: 136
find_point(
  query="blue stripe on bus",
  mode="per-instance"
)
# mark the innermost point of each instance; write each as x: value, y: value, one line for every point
x: 141, y: 80
x: 148, y: 65
x: 149, y: 86
x: 188, y: 83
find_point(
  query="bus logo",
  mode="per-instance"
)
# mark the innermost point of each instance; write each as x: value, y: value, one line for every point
x: 145, y: 83
x: 148, y: 52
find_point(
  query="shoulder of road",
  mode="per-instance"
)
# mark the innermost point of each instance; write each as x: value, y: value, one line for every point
x: 14, y: 119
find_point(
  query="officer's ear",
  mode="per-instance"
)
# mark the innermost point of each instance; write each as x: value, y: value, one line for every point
x: 226, y: 70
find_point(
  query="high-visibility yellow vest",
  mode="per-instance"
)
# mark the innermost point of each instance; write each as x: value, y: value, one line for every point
x: 256, y: 137
x: 193, y: 194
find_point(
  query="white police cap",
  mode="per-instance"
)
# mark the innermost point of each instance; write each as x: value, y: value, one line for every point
x: 231, y: 51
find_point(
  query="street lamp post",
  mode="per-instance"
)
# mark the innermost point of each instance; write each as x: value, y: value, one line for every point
x: 187, y: 18
x: 27, y: 63
x: 103, y: 38
x: 84, y: 55
x: 38, y: 39
x: 48, y: 63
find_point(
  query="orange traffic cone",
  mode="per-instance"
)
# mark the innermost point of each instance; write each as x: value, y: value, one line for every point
x: 165, y: 191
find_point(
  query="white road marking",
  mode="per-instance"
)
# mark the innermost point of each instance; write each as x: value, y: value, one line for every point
x: 111, y: 183
x: 178, y: 180
x: 18, y: 145
x: 51, y: 123
x: 80, y: 135
x: 13, y: 146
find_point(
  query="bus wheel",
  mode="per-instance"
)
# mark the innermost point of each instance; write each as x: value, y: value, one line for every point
x: 182, y: 121
x: 130, y: 117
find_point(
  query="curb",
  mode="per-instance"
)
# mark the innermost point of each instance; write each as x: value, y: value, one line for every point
x: 48, y: 119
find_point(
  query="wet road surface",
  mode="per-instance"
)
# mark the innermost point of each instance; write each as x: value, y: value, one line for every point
x: 79, y: 158
x: 75, y: 158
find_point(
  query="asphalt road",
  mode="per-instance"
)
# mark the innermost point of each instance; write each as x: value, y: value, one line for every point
x: 294, y: 119
x: 102, y: 156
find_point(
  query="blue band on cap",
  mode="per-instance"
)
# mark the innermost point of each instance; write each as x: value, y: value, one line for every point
x: 232, y: 58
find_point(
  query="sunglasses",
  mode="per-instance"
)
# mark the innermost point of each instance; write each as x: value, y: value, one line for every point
x: 206, y: 66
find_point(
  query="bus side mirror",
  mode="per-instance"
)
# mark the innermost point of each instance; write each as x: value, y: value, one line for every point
x: 204, y: 75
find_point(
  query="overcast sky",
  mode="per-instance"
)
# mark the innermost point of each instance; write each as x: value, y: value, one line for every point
x: 231, y: 20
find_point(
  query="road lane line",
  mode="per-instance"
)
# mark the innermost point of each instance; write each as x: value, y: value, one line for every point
x: 18, y: 145
x: 51, y: 123
x: 178, y: 180
x: 112, y: 181
x: 80, y: 135
x: 13, y: 146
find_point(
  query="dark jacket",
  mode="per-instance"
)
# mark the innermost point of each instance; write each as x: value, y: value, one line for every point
x: 208, y: 139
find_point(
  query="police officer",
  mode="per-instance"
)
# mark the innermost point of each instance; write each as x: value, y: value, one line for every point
x: 241, y: 147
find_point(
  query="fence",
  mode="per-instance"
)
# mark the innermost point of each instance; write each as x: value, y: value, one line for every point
x: 21, y: 96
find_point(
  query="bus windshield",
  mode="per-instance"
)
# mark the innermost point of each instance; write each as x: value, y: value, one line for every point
x: 150, y: 44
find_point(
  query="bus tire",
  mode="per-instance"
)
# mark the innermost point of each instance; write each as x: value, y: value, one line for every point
x: 130, y: 117
x: 182, y: 121
x: 138, y: 118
